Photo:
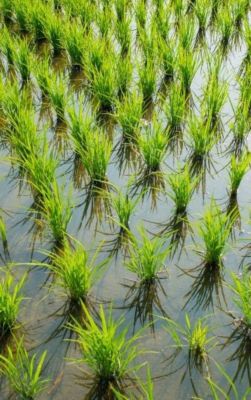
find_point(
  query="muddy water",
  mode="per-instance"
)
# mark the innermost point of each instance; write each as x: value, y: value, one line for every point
x: 43, y: 314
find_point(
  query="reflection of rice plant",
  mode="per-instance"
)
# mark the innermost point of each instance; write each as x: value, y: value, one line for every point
x: 146, y: 390
x: 24, y: 372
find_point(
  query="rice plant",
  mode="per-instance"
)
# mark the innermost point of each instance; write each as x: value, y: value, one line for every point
x: 38, y: 21
x: 182, y: 187
x: 148, y: 258
x: 193, y: 337
x: 24, y: 371
x: 201, y: 138
x: 153, y: 147
x: 7, y: 9
x: 147, y: 81
x: 23, y: 60
x: 129, y: 114
x: 54, y: 33
x: 241, y: 289
x: 226, y: 28
x: 56, y: 90
x: 56, y: 211
x: 175, y: 109
x: 75, y: 44
x: 124, y: 75
x: 10, y: 301
x: 187, y: 67
x: 76, y: 272
x: 168, y: 56
x: 239, y: 167
x: 214, y: 230
x: 240, y: 129
x: 23, y: 14
x: 7, y: 46
x: 107, y: 350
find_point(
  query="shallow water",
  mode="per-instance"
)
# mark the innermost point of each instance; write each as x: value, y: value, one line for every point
x: 42, y: 315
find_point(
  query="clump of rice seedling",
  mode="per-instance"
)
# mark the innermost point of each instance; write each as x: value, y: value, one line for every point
x: 38, y: 20
x: 7, y: 7
x: 241, y: 289
x: 56, y: 90
x: 107, y: 350
x: 56, y: 210
x: 24, y: 372
x: 104, y: 20
x: 75, y: 44
x: 175, y: 109
x: 182, y: 186
x: 147, y: 258
x: 124, y: 71
x: 153, y: 146
x: 44, y: 75
x: 146, y: 389
x: 140, y: 15
x: 226, y: 28
x: 202, y: 12
x: 186, y: 34
x: 103, y: 86
x: 7, y: 46
x: 75, y: 272
x: 187, y: 67
x: 239, y: 11
x: 129, y: 114
x: 123, y: 35
x: 193, y: 337
x: 3, y: 231
x: 239, y: 167
x: 214, y: 95
x: 201, y: 140
x: 23, y: 60
x: 168, y: 56
x: 214, y: 229
x: 23, y: 14
x: 95, y: 159
x: 240, y: 128
x: 10, y: 300
x: 55, y: 33
x: 147, y: 81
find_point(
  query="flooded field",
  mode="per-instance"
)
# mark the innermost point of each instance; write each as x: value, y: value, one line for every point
x: 125, y: 190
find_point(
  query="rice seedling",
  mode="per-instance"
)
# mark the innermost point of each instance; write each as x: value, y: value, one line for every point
x: 56, y: 210
x: 182, y: 187
x: 23, y: 371
x: 104, y: 19
x: 140, y: 15
x: 201, y: 138
x: 124, y: 72
x: 195, y: 338
x: 23, y: 14
x: 240, y: 129
x: 124, y: 208
x: 56, y: 91
x: 214, y: 230
x: 186, y: 35
x: 214, y: 95
x: 38, y: 20
x: 148, y: 258
x: 3, y: 231
x: 55, y: 33
x: 202, y: 10
x: 239, y: 12
x: 104, y: 87
x: 225, y: 27
x: 123, y: 35
x: 121, y: 7
x: 146, y: 390
x: 10, y: 301
x: 153, y: 147
x: 7, y: 46
x: 168, y: 56
x: 107, y: 350
x: 44, y: 74
x: 129, y: 114
x: 239, y: 167
x: 75, y: 272
x: 7, y: 7
x: 23, y: 60
x: 75, y: 44
x: 241, y: 289
x: 175, y: 109
x: 187, y: 67
x: 147, y: 81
